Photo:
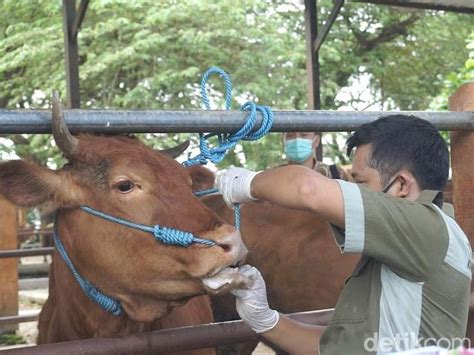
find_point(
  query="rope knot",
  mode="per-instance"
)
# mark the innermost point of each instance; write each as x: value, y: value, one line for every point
x: 105, y: 302
x: 172, y: 236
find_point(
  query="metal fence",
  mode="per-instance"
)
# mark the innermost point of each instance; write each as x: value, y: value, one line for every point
x: 169, y: 340
x: 110, y: 121
x: 19, y: 253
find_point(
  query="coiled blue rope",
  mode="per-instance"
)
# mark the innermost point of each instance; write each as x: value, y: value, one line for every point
x: 229, y: 140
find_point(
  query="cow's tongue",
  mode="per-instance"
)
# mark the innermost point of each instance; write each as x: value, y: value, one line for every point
x: 226, y: 277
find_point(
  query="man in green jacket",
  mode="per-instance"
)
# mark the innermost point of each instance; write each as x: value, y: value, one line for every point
x: 411, y: 287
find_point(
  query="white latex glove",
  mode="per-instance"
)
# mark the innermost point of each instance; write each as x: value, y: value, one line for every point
x: 252, y: 304
x: 234, y: 185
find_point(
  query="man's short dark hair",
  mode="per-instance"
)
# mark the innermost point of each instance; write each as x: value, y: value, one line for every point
x: 405, y: 142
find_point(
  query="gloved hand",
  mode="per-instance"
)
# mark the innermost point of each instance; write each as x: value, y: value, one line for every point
x: 234, y: 185
x: 252, y: 304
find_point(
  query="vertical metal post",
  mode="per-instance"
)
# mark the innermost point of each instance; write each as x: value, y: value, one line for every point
x: 462, y: 151
x: 8, y: 267
x: 71, y: 54
x: 312, y: 61
x: 327, y: 26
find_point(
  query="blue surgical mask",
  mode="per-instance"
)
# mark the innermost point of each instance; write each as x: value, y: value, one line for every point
x: 298, y: 149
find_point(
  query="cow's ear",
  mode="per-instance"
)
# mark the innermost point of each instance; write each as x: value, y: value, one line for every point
x: 202, y: 177
x: 29, y: 185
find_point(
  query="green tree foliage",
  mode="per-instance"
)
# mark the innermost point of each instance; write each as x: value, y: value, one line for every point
x: 455, y: 79
x: 151, y: 54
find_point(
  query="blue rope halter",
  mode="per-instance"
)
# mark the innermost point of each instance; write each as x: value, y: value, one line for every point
x: 162, y: 234
x: 105, y: 302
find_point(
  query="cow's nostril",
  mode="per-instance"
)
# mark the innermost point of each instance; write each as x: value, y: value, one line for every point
x: 225, y: 246
x: 232, y: 246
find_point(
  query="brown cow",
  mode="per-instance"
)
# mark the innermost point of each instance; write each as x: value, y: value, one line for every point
x: 294, y: 250
x: 124, y: 178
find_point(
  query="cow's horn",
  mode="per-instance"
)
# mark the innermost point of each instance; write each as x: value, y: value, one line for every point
x: 175, y: 151
x: 63, y: 138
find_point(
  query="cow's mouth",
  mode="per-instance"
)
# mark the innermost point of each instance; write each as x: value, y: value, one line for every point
x: 224, y: 280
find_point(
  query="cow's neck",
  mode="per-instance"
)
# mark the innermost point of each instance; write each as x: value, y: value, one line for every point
x: 75, y: 316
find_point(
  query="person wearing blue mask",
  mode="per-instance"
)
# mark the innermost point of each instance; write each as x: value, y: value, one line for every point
x: 300, y: 149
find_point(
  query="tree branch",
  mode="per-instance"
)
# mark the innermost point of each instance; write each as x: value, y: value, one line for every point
x: 387, y: 34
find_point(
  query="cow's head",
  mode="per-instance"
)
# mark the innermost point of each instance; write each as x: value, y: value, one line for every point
x: 124, y: 178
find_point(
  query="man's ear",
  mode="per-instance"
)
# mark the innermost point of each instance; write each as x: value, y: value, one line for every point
x: 406, y: 186
x: 202, y: 178
x: 29, y: 185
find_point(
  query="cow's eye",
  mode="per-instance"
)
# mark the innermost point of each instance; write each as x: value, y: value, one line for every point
x: 125, y: 186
